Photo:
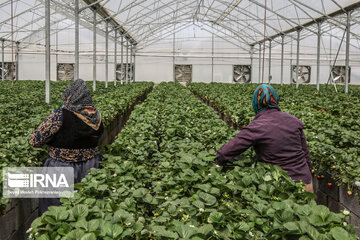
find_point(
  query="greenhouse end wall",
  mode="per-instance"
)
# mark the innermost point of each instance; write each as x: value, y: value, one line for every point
x: 158, y: 69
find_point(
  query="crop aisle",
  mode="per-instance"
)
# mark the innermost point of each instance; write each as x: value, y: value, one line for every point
x: 331, y: 127
x: 160, y: 182
x: 25, y: 103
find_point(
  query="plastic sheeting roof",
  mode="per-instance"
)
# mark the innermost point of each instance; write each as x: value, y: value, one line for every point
x: 150, y: 21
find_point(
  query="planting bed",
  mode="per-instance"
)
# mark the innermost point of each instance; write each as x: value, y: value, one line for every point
x: 332, y: 127
x: 28, y: 108
x: 160, y: 182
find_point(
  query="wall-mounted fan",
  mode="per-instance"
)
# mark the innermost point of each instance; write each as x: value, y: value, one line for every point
x: 183, y: 73
x: 242, y: 73
x: 65, y: 72
x: 7, y: 70
x: 120, y: 72
x: 338, y: 74
x: 5, y: 73
x: 304, y: 74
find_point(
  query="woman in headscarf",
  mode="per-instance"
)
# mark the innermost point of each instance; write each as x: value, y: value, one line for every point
x: 72, y: 133
x: 277, y: 138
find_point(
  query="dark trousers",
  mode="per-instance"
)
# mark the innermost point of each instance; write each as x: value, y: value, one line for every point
x: 80, y: 171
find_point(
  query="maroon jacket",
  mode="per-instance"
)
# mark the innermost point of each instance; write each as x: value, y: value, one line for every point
x: 277, y: 138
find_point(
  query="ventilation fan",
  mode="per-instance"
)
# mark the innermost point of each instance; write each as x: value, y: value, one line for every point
x: 5, y: 72
x: 338, y: 74
x: 131, y: 69
x: 65, y: 72
x: 8, y: 73
x: 242, y: 73
x: 183, y: 73
x: 120, y: 72
x: 304, y: 74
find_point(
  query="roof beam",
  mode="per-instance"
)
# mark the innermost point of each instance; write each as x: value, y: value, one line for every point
x: 101, y: 11
x: 307, y: 24
x: 229, y: 9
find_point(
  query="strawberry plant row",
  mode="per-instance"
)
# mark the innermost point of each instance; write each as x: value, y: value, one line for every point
x: 23, y: 108
x: 332, y: 125
x: 160, y: 181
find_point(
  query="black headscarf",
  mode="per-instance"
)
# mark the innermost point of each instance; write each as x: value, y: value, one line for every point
x: 77, y: 99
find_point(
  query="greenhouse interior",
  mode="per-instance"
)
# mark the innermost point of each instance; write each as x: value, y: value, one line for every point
x: 169, y: 119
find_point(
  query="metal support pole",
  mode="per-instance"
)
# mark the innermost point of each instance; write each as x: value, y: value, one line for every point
x: 259, y: 62
x: 297, y: 58
x: 291, y: 62
x: 318, y: 57
x: 269, y: 60
x: 131, y: 66
x: 134, y: 63
x: 2, y: 59
x: 212, y: 58
x: 106, y: 53
x: 94, y: 51
x: 47, y: 55
x: 174, y: 74
x: 122, y: 59
x: 251, y: 64
x: 115, y: 57
x: 76, y: 75
x: 57, y: 49
x: 348, y: 15
x: 17, y: 61
x: 282, y: 59
x: 127, y: 61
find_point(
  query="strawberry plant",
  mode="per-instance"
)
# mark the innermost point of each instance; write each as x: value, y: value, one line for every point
x: 23, y: 109
x: 160, y: 181
x: 332, y: 125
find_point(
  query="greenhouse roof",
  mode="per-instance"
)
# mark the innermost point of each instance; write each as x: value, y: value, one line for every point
x: 145, y: 22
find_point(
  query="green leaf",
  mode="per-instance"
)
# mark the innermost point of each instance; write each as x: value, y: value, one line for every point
x: 198, y: 204
x: 123, y: 216
x: 50, y: 220
x: 338, y: 233
x: 172, y: 210
x: 242, y: 226
x: 205, y: 229
x: 88, y: 236
x: 59, y: 213
x: 208, y: 198
x: 82, y: 223
x: 43, y: 237
x: 138, y: 226
x: 75, y: 234
x: 80, y: 211
x: 216, y: 217
x: 292, y: 226
x: 102, y: 187
x: 204, y: 187
x: 267, y: 178
x: 161, y: 231
x: 37, y: 223
x: 185, y: 231
x: 112, y: 230
x: 139, y: 193
x: 64, y: 229
x: 94, y: 224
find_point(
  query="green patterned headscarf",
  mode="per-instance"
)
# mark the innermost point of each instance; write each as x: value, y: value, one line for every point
x: 265, y: 97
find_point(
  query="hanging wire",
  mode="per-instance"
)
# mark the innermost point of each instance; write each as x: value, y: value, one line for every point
x: 263, y: 60
x: 12, y: 44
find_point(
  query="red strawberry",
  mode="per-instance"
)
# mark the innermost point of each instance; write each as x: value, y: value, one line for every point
x: 318, y: 177
x: 329, y: 185
x: 349, y: 193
